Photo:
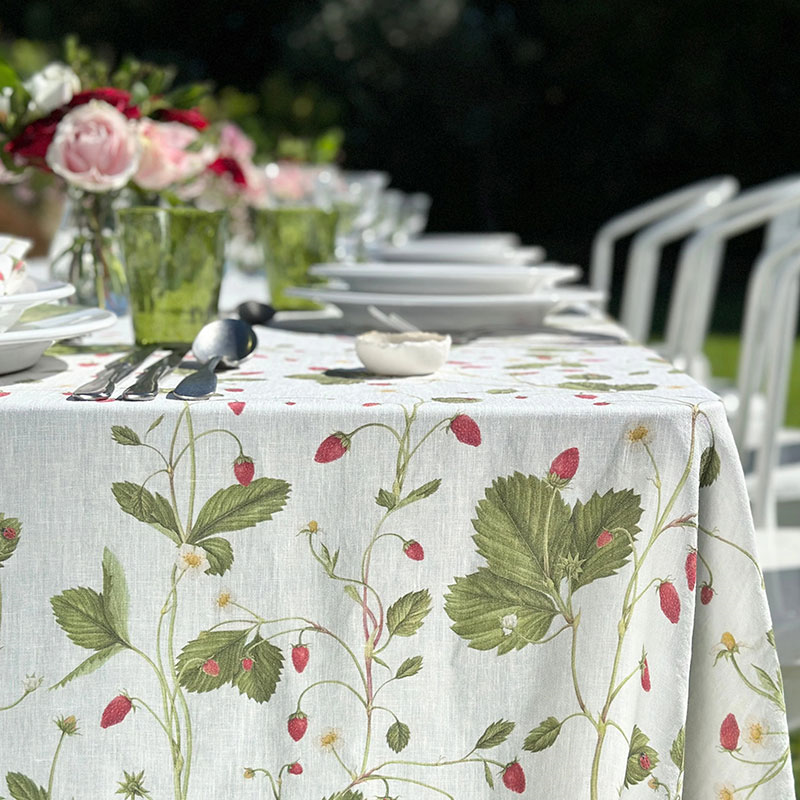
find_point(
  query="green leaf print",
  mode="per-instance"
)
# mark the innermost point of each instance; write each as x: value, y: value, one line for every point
x: 709, y: 466
x: 398, y: 736
x: 115, y: 593
x: 406, y: 615
x: 94, y: 662
x: 386, y: 499
x: 594, y: 386
x: 261, y: 680
x: 83, y: 616
x: 225, y: 648
x: 411, y: 666
x: 22, y: 787
x: 238, y: 507
x: 642, y: 759
x: 614, y: 512
x: 495, y: 734
x: 335, y: 377
x: 543, y: 735
x: 124, y: 435
x: 677, y: 749
x: 770, y: 686
x: 10, y: 528
x: 155, y: 423
x: 220, y: 554
x: 487, y: 774
x: 152, y: 509
x: 481, y: 603
x: 456, y: 399
x: 522, y: 531
x: 420, y: 493
x: 347, y: 795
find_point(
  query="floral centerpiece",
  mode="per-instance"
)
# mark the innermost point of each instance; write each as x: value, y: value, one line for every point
x: 107, y: 144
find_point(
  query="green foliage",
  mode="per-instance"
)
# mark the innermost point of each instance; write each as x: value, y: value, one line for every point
x: 676, y: 752
x: 237, y: 507
x: 398, y: 736
x: 411, y: 666
x: 543, y: 735
x: 220, y: 554
x: 8, y: 546
x: 495, y: 735
x: 406, y: 615
x: 121, y: 434
x: 21, y: 787
x: 152, y: 509
x: 639, y: 748
x: 709, y: 466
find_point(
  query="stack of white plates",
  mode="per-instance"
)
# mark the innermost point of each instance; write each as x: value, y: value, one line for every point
x: 461, y: 248
x: 445, y: 297
x: 28, y: 325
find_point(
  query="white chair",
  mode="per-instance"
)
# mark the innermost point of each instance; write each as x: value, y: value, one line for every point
x: 700, y: 263
x: 703, y: 194
x: 774, y: 289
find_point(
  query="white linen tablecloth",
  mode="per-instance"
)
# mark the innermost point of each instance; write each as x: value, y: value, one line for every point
x: 534, y: 570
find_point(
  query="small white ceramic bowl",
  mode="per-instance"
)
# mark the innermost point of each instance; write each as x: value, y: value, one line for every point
x: 403, y: 354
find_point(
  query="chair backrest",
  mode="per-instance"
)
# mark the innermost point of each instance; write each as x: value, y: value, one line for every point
x: 644, y: 256
x: 602, y: 259
x: 774, y: 312
x: 700, y: 263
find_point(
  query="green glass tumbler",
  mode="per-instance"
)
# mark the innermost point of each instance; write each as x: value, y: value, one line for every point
x: 173, y: 261
x: 294, y: 238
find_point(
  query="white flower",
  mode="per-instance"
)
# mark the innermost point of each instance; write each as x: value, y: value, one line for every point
x: 32, y: 683
x: 755, y: 731
x: 192, y: 559
x: 724, y: 791
x: 224, y: 600
x: 51, y: 87
x: 95, y: 148
x: 509, y: 623
x: 329, y: 739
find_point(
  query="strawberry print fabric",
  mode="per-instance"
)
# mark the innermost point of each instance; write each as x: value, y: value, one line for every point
x: 532, y: 574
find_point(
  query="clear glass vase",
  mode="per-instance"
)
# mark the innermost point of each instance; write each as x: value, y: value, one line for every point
x: 84, y: 251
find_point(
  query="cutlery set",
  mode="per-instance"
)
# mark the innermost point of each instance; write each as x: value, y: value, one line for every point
x: 224, y: 341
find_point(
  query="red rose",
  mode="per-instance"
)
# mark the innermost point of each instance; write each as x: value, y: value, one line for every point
x: 229, y: 166
x: 119, y: 98
x: 186, y: 116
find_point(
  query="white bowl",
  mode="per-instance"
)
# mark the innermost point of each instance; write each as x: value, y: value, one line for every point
x: 402, y: 354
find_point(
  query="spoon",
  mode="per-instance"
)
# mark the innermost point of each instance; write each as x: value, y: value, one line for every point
x: 229, y: 341
x: 255, y: 313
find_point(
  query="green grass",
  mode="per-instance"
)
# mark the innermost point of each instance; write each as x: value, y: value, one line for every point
x: 723, y: 352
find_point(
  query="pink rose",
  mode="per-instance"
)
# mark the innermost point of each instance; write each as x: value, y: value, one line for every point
x: 95, y: 148
x: 165, y: 157
x: 235, y: 143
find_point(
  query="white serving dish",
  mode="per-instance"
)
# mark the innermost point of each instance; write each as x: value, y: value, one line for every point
x: 452, y: 313
x: 488, y: 240
x: 33, y: 293
x: 22, y: 346
x: 402, y: 354
x: 448, y: 279
x: 454, y: 252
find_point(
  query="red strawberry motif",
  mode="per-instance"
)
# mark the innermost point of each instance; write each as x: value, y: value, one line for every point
x: 564, y: 467
x: 9, y: 533
x: 465, y: 429
x: 706, y: 594
x: 645, y: 676
x: 297, y: 725
x: 211, y: 668
x: 6, y: 394
x: 116, y: 711
x: 247, y: 664
x: 603, y: 539
x: 296, y: 768
x: 237, y: 406
x: 335, y: 446
x: 644, y: 762
x: 729, y: 733
x: 414, y: 550
x: 670, y: 602
x: 514, y: 777
x: 691, y: 570
x: 244, y: 469
x: 299, y: 657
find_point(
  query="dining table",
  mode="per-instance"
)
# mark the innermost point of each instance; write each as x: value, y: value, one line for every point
x: 533, y: 572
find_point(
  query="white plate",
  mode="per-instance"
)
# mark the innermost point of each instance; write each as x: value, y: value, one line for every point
x: 453, y: 313
x: 448, y: 252
x: 490, y: 240
x: 446, y: 279
x: 23, y: 346
x: 34, y: 292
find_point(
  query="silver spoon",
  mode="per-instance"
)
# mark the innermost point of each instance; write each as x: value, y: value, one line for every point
x: 229, y: 341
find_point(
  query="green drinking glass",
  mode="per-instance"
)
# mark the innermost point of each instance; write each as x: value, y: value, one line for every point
x: 293, y: 238
x: 173, y: 261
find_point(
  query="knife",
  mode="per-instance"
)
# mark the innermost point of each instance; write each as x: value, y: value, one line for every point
x: 102, y: 385
x: 146, y: 386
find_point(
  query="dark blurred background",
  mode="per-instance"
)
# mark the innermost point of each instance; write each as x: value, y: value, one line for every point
x: 544, y: 117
